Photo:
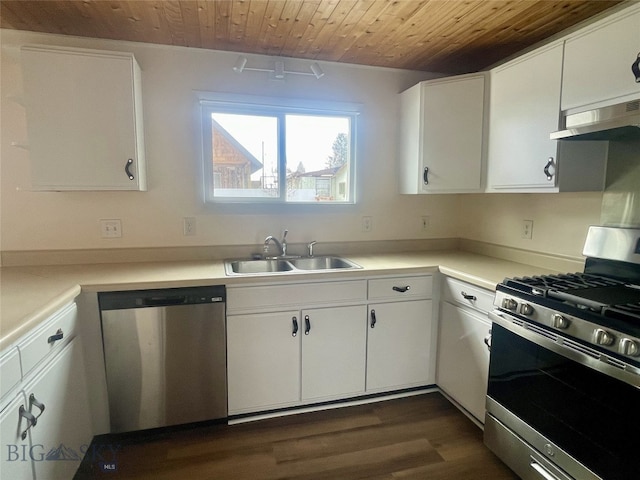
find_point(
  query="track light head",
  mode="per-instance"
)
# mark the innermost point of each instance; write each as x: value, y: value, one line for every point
x: 241, y: 62
x: 317, y: 71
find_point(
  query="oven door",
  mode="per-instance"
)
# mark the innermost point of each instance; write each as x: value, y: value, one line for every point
x: 546, y: 391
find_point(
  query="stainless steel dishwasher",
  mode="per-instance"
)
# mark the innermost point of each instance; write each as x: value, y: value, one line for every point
x: 165, y: 356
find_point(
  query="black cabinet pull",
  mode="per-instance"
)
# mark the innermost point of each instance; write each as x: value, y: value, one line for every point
x: 402, y: 289
x: 295, y: 326
x: 34, y: 402
x: 425, y: 175
x: 487, y: 341
x: 127, y: 171
x: 58, y: 336
x: 466, y: 296
x: 307, y: 325
x: 31, y: 420
x: 373, y: 318
x: 547, y: 172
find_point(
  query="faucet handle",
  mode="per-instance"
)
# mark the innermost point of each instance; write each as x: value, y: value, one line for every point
x: 284, y: 234
x: 310, y: 247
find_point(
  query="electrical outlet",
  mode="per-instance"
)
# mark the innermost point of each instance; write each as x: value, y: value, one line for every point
x: 424, y: 223
x: 189, y: 226
x: 111, y: 228
x: 367, y: 224
x: 527, y: 229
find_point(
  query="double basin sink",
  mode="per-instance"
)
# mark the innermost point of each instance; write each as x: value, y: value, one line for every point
x: 287, y: 265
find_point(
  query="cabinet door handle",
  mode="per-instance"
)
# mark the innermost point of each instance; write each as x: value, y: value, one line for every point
x: 34, y: 402
x: 466, y: 296
x: 404, y: 289
x: 31, y: 420
x: 58, y: 336
x: 373, y: 318
x: 547, y: 170
x: 487, y: 341
x: 295, y: 326
x: 127, y: 171
x: 307, y: 325
x: 425, y: 176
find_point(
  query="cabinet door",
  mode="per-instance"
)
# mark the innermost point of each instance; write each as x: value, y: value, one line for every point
x: 463, y: 358
x: 263, y: 361
x: 84, y: 119
x: 399, y: 345
x: 597, y: 63
x: 64, y: 429
x: 16, y: 462
x: 333, y: 351
x: 525, y: 109
x: 441, y: 135
x: 452, y: 135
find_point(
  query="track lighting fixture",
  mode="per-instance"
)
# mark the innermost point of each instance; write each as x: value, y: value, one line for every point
x: 278, y: 69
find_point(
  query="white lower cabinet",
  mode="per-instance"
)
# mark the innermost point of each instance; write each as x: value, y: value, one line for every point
x: 398, y: 345
x: 463, y: 356
x: 333, y: 352
x: 45, y: 419
x: 54, y: 445
x: 281, y: 359
x: 263, y: 361
x: 298, y: 344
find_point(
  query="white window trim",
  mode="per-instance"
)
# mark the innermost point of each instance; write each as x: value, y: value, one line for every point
x: 209, y: 100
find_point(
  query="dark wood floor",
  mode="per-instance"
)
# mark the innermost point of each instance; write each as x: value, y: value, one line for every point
x: 420, y: 437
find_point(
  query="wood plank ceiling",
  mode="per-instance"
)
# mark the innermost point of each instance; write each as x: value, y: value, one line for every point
x: 449, y: 36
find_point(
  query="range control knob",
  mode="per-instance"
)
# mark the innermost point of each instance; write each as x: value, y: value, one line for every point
x: 602, y: 337
x: 629, y: 347
x: 558, y: 321
x: 526, y: 309
x: 509, y: 304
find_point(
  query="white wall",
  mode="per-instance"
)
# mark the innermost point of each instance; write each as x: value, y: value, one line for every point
x: 70, y: 220
x: 170, y: 75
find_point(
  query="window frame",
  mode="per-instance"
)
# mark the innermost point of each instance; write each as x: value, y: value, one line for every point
x: 278, y: 108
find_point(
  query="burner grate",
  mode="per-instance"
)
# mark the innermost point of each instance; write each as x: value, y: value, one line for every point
x: 540, y: 284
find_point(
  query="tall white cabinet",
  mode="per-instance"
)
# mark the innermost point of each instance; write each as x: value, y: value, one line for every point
x: 441, y: 135
x: 84, y: 119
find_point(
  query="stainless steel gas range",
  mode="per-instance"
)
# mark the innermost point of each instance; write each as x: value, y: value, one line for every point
x: 563, y: 399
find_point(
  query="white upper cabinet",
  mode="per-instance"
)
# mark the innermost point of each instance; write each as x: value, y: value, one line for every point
x: 598, y: 60
x: 84, y: 119
x: 441, y: 135
x: 524, y: 110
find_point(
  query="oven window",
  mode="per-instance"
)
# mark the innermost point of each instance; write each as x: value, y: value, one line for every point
x: 591, y: 416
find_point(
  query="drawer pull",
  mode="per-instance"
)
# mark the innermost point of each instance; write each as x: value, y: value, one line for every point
x: 31, y: 420
x: 466, y: 296
x: 307, y: 325
x: 373, y: 318
x: 295, y: 326
x: 58, y: 336
x: 401, y: 289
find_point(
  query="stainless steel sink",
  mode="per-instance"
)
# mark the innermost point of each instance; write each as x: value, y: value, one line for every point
x: 322, y: 263
x: 282, y: 266
x: 257, y: 266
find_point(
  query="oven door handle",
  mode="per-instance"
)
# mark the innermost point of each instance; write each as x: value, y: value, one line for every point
x: 543, y: 472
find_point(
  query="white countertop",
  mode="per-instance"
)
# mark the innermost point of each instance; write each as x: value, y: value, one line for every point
x: 29, y: 294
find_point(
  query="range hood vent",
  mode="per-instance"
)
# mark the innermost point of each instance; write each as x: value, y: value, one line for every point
x: 615, y: 122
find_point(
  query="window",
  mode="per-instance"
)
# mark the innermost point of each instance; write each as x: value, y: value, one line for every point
x: 260, y: 153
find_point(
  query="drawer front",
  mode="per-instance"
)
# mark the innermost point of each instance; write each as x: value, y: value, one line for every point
x: 400, y: 288
x: 284, y: 297
x: 462, y: 293
x: 47, y: 338
x: 10, y: 373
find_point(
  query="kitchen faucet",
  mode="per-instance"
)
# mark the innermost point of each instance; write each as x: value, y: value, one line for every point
x: 282, y: 245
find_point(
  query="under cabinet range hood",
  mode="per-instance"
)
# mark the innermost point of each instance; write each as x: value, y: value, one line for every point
x: 615, y: 122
